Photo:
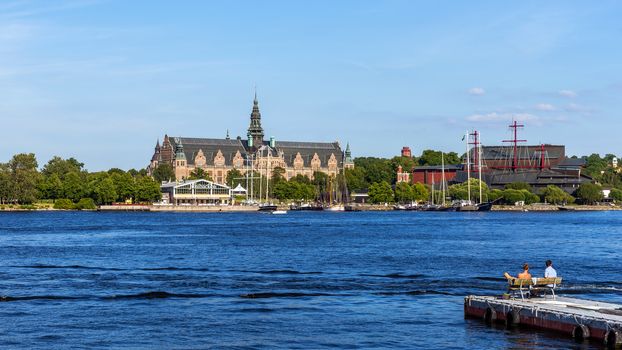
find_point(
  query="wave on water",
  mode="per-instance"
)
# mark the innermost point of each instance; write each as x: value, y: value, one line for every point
x: 396, y: 275
x: 417, y: 292
x: 285, y: 272
x: 491, y: 279
x: 44, y: 266
x: 172, y: 268
x: 155, y: 295
x: 82, y: 267
x: 283, y: 295
x: 36, y: 297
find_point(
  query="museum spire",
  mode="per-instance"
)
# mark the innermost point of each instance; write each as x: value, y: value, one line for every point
x: 255, y: 131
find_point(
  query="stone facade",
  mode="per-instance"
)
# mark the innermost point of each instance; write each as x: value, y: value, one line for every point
x: 219, y: 156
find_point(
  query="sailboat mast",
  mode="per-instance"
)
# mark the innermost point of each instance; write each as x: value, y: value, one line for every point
x: 443, y: 183
x: 468, y: 164
x: 268, y: 175
x: 432, y: 188
x: 479, y: 166
x: 260, y: 170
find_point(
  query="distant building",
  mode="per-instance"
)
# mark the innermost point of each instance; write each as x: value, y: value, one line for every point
x: 219, y: 156
x: 195, y: 192
x: 406, y: 152
x: 402, y: 176
x: 538, y: 165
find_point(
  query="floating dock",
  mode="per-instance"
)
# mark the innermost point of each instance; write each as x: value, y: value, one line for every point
x: 577, y: 318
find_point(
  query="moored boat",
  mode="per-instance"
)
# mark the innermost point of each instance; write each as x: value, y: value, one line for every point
x: 267, y: 207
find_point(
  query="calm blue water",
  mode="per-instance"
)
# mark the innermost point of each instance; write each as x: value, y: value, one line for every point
x: 302, y: 280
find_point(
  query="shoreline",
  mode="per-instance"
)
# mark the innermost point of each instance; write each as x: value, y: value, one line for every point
x: 362, y: 207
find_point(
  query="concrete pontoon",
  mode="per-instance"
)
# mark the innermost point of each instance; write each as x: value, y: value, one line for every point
x: 578, y: 318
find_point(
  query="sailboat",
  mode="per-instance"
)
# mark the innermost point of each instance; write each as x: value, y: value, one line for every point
x: 267, y: 206
x: 339, y: 205
x: 468, y: 205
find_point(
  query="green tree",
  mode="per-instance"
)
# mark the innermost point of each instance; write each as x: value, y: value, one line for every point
x: 616, y: 194
x: 555, y: 195
x: 495, y: 195
x: 86, y: 204
x: 303, y: 179
x: 355, y: 178
x: 147, y: 189
x: 164, y: 172
x: 594, y: 164
x: 375, y: 169
x: 5, y: 183
x: 24, y: 178
x: 421, y: 192
x: 73, y: 186
x: 51, y: 187
x: 278, y: 175
x: 407, y: 163
x: 199, y: 173
x: 511, y: 196
x: 61, y: 167
x: 64, y: 204
x: 460, y: 191
x: 102, y: 188
x: 124, y: 186
x: 589, y: 193
x: 530, y: 197
x: 518, y: 186
x: 404, y: 192
x: 431, y: 157
x: 234, y: 177
x: 380, y: 192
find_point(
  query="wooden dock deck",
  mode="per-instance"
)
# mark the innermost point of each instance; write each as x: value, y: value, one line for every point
x: 577, y: 318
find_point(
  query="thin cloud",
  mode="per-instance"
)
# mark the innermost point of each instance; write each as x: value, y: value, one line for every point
x: 476, y: 91
x: 545, y: 107
x: 495, y: 117
x: 568, y: 93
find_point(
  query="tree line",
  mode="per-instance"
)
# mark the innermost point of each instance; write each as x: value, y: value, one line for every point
x: 66, y: 181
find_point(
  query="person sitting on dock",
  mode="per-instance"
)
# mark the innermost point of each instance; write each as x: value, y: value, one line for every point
x: 523, y: 275
x: 549, y: 271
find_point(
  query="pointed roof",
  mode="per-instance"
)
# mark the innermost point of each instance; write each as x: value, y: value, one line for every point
x: 239, y: 189
x: 179, y: 150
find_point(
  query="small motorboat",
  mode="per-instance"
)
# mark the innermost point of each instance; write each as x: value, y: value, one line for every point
x: 279, y: 212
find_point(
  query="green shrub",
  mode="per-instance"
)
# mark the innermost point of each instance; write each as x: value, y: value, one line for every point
x: 27, y: 207
x: 616, y: 194
x: 64, y: 204
x: 86, y: 204
x: 495, y: 194
x: 512, y: 196
x: 530, y: 198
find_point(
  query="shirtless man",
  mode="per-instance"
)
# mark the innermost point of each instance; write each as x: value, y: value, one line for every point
x: 523, y: 275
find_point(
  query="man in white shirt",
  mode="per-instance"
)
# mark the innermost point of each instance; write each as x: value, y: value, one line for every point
x: 549, y: 271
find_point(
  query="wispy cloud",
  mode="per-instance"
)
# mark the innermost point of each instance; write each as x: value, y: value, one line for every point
x: 476, y: 91
x: 15, y: 11
x: 495, y: 117
x: 545, y: 107
x: 567, y: 93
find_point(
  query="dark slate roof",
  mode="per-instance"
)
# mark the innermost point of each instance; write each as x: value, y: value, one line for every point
x: 572, y: 162
x: 307, y: 150
x: 439, y: 167
x: 534, y: 177
x: 524, y: 152
x: 210, y: 148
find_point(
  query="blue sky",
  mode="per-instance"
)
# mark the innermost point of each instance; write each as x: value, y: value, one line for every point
x: 103, y: 80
